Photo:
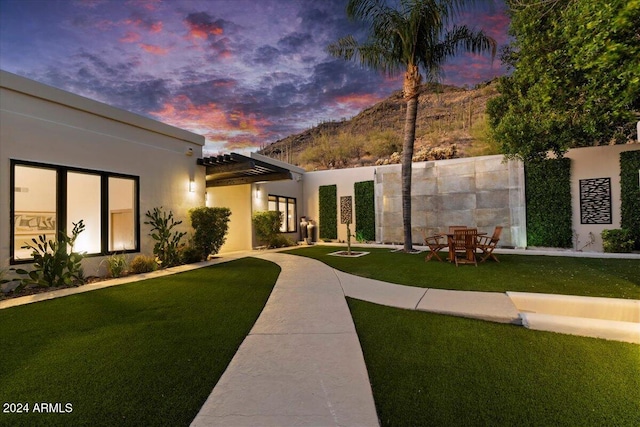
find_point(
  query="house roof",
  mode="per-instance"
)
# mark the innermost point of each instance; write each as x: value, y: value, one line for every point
x: 236, y: 169
x: 35, y: 89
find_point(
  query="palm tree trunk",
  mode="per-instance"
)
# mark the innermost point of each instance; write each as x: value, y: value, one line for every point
x: 411, y: 92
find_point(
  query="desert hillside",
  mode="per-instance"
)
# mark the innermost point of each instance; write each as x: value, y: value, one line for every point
x: 451, y: 123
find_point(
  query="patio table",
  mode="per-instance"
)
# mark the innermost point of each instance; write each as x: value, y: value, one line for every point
x: 451, y: 246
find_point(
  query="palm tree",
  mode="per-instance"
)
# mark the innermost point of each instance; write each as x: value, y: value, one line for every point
x: 414, y: 36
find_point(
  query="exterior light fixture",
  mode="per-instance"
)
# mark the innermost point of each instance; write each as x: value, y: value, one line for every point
x: 192, y: 186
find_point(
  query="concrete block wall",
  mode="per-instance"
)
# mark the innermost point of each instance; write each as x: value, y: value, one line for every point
x: 480, y: 192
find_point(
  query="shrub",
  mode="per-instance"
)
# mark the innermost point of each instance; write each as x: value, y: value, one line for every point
x: 211, y: 226
x: 267, y: 226
x: 617, y: 240
x: 281, y: 241
x: 334, y: 150
x: 167, y: 241
x: 55, y: 262
x: 143, y: 264
x: 190, y: 254
x: 384, y: 143
x: 116, y: 265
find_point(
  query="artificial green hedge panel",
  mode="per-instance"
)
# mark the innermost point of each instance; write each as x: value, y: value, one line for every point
x: 328, y: 199
x: 365, y: 210
x: 630, y: 193
x: 548, y: 196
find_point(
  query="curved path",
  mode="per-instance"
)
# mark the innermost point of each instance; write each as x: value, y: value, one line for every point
x: 302, y: 364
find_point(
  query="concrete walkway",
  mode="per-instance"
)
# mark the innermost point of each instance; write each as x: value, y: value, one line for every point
x: 301, y: 364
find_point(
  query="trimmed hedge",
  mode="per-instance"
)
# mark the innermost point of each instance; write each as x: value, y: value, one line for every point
x: 211, y: 226
x: 365, y: 210
x: 630, y: 194
x: 548, y: 197
x: 328, y: 199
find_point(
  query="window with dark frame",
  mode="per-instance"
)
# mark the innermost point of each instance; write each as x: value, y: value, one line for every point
x: 287, y: 206
x: 48, y: 199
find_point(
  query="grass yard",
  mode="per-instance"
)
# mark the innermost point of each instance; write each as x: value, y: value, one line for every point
x: 430, y: 369
x: 146, y: 353
x: 595, y: 277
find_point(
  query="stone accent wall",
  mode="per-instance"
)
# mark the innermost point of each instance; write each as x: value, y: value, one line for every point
x: 480, y: 192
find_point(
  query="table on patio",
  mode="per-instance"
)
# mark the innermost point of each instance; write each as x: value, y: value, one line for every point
x: 450, y: 242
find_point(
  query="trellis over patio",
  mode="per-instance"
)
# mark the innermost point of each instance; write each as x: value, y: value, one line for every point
x: 236, y: 169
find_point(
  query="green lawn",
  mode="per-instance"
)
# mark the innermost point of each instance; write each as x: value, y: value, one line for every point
x: 146, y: 353
x: 430, y: 369
x: 596, y: 277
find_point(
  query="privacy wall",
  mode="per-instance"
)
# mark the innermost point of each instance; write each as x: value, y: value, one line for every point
x: 480, y: 192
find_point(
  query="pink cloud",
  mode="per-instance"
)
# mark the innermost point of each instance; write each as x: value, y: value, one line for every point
x: 130, y: 37
x: 152, y: 27
x: 234, y: 129
x: 153, y: 49
x: 202, y: 31
x: 348, y: 105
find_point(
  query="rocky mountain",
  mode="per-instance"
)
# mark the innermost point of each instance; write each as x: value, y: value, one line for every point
x: 451, y: 123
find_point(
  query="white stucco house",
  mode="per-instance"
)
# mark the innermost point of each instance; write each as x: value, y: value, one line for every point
x: 64, y: 157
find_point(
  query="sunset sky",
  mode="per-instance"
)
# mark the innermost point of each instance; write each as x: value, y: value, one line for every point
x: 243, y: 73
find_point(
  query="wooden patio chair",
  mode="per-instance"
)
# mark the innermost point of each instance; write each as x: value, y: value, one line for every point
x: 436, y: 243
x: 486, y: 244
x: 464, y: 246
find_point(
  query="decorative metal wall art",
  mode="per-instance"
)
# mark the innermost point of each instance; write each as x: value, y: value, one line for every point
x: 595, y: 201
x: 346, y: 210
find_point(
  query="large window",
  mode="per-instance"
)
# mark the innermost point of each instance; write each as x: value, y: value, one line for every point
x: 49, y: 199
x: 122, y: 209
x: 287, y: 206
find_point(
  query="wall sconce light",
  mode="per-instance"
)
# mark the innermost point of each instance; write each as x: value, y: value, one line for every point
x: 257, y: 192
x: 189, y: 152
x: 192, y: 186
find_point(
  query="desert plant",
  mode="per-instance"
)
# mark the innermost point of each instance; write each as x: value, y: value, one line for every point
x: 384, y: 143
x: 55, y: 262
x: 4, y: 274
x: 211, y: 226
x: 143, y: 264
x: 116, y: 265
x: 360, y: 237
x: 617, y: 240
x: 167, y: 245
